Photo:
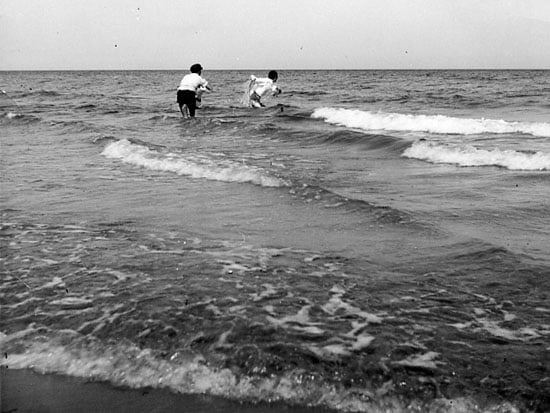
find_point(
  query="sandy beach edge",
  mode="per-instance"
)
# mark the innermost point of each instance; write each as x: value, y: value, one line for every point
x: 28, y: 391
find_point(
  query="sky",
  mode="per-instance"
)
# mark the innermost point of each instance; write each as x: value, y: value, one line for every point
x: 279, y: 34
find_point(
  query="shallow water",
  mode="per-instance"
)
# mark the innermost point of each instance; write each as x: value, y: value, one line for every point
x: 381, y: 246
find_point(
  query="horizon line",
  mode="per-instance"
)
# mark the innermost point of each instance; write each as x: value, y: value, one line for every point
x: 259, y: 69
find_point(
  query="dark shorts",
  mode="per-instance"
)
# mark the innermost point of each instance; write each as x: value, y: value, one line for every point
x: 187, y: 97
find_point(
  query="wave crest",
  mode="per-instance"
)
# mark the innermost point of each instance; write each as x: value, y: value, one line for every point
x: 471, y: 156
x: 426, y: 123
x: 227, y: 171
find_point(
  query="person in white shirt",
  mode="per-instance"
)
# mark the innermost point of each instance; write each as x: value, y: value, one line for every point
x: 259, y: 86
x: 190, y: 90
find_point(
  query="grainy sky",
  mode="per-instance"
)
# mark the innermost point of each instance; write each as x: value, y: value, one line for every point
x: 281, y: 34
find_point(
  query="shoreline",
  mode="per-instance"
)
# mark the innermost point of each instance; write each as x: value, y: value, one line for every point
x: 24, y: 390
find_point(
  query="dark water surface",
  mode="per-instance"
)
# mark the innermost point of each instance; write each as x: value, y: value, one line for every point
x: 371, y: 240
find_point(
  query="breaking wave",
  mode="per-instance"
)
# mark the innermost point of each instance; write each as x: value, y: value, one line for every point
x: 194, y: 166
x: 142, y: 368
x: 471, y: 156
x: 426, y: 123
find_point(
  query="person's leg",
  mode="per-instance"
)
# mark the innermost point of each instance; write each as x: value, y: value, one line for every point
x: 181, y: 103
x: 184, y: 110
x: 191, y: 109
x: 188, y: 99
x: 255, y: 100
x: 198, y: 98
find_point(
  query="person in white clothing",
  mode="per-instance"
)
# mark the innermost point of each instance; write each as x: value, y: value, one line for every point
x: 260, y: 86
x: 190, y: 90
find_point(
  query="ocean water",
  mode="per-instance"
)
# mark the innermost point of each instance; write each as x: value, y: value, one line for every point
x: 370, y: 241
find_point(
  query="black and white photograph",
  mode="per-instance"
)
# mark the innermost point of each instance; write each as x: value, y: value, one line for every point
x: 294, y: 206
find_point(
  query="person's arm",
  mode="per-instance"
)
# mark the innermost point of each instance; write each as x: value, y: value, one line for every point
x: 276, y: 89
x: 206, y: 85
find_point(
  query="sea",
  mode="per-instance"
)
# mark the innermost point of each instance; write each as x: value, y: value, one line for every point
x: 370, y: 241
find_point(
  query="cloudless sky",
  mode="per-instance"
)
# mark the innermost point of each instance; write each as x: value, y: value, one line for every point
x: 280, y: 34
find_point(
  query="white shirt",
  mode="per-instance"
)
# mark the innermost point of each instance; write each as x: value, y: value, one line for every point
x: 192, y: 82
x: 262, y: 85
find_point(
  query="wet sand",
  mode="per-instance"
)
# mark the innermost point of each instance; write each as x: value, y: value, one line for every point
x: 28, y: 391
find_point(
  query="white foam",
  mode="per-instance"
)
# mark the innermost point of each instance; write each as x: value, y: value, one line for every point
x: 362, y: 341
x: 49, y: 262
x: 195, y: 167
x: 300, y: 321
x: 335, y: 303
x: 55, y: 282
x: 470, y: 156
x: 269, y: 292
x: 521, y: 334
x: 126, y: 365
x: 493, y: 327
x: 427, y: 123
x: 214, y: 309
x: 335, y: 349
x: 426, y: 360
x: 72, y: 303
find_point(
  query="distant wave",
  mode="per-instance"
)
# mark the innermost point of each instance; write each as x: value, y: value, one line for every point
x: 13, y: 117
x: 426, y: 123
x: 369, y: 141
x: 306, y: 92
x: 196, y: 167
x: 39, y: 92
x: 470, y: 156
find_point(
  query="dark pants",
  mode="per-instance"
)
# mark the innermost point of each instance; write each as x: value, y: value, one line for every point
x: 187, y: 97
